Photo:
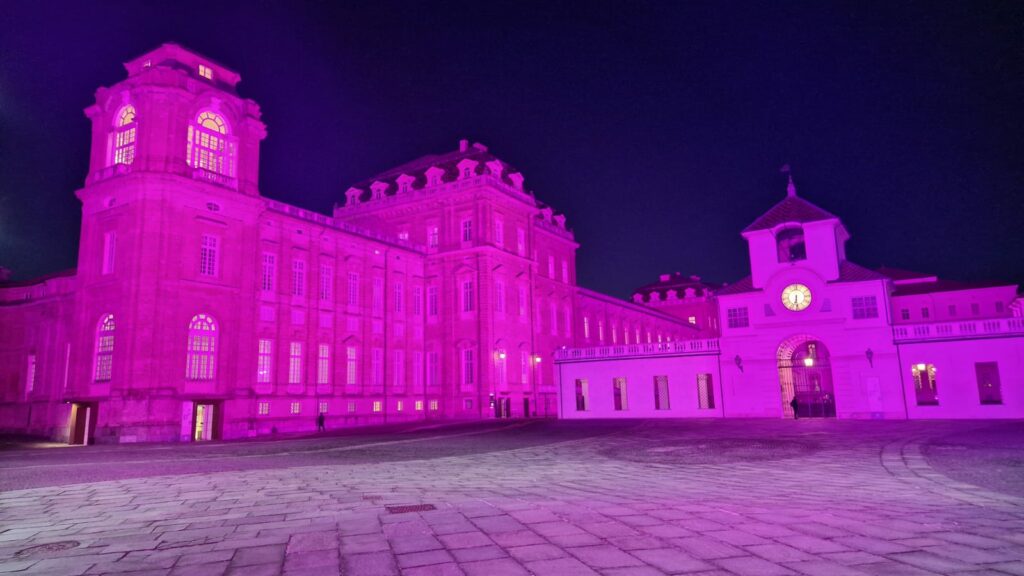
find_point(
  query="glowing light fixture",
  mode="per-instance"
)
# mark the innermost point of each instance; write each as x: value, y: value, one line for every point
x: 501, y: 354
x: 922, y: 367
x: 808, y: 362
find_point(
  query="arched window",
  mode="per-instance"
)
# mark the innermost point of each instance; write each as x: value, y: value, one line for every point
x: 790, y: 244
x: 210, y: 146
x: 201, y: 358
x: 104, y: 360
x: 123, y: 136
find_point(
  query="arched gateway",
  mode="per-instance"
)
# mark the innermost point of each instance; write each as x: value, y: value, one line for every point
x: 806, y: 373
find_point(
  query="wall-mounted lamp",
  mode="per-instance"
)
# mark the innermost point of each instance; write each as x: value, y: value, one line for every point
x: 870, y: 355
x: 739, y: 362
x: 809, y: 362
x: 922, y: 367
x: 501, y: 354
x: 536, y: 359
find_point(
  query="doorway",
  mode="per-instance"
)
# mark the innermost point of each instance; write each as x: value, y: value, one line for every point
x: 805, y: 373
x: 83, y: 423
x: 526, y: 407
x: 205, y: 422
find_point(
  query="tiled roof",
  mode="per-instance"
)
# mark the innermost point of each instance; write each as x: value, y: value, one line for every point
x: 738, y: 287
x: 679, y: 282
x: 943, y: 286
x: 897, y: 274
x: 850, y: 272
x: 791, y: 209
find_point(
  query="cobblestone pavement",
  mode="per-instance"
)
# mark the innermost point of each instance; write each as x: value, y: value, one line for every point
x: 741, y: 497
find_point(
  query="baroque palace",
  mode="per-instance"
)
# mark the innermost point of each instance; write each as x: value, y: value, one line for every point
x: 441, y: 289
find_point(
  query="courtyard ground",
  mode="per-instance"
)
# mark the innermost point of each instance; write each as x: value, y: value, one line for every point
x: 558, y: 498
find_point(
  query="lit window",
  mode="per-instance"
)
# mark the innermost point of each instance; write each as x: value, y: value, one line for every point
x: 661, y: 399
x: 351, y: 406
x: 209, y: 146
x: 586, y: 327
x: 296, y: 407
x: 109, y: 251
x: 399, y: 406
x: 924, y: 384
x: 268, y: 273
x: 298, y: 278
x: 620, y: 394
x: 323, y: 364
x: 263, y: 361
x: 322, y: 407
x: 104, y: 349
x: 263, y: 408
x: 403, y: 235
x: 350, y: 366
x: 326, y: 283
x: 468, y: 369
x: 30, y: 374
x: 582, y: 395
x: 205, y: 72
x: 123, y: 137
x: 201, y: 359
x: 295, y: 363
x: 433, y: 405
x: 433, y: 236
x: 737, y: 318
x: 208, y: 255
x: 989, y: 388
x: 565, y: 271
x: 692, y: 320
x: 419, y: 406
x: 705, y: 392
x: 377, y: 406
x: 501, y: 359
x: 600, y: 330
x: 864, y: 307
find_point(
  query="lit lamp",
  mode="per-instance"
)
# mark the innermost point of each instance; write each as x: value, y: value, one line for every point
x: 808, y: 362
x: 501, y: 354
x: 922, y: 367
x: 536, y: 359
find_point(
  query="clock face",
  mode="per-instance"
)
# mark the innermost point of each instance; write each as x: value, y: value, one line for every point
x: 796, y: 297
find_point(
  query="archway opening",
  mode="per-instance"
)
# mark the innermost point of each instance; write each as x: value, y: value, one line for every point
x: 805, y: 374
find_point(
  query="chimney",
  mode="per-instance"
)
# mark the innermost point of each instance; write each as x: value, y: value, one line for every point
x: 463, y: 145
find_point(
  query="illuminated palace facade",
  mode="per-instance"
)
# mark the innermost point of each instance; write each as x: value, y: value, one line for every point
x: 201, y: 309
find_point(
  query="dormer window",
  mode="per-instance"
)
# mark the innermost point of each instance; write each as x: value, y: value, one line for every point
x: 206, y: 72
x: 211, y: 149
x: 352, y: 196
x: 404, y: 183
x: 123, y: 137
x: 790, y: 244
x: 434, y: 176
x: 377, y: 190
x: 467, y: 168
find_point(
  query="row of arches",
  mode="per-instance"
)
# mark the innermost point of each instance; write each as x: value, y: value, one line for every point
x: 210, y: 145
x: 200, y: 348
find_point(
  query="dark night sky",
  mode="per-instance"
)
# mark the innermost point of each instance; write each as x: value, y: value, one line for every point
x: 658, y: 128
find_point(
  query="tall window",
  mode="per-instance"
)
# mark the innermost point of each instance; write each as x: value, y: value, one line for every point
x: 551, y: 267
x: 565, y: 271
x: 661, y: 400
x: 521, y: 301
x: 432, y: 301
x: 268, y: 273
x: 208, y: 255
x: 353, y: 289
x: 620, y: 395
x: 467, y: 296
x: 351, y: 367
x: 586, y: 327
x: 398, y: 374
x: 468, y: 369
x: 924, y: 384
x: 705, y: 392
x: 520, y: 241
x: 264, y: 359
x: 499, y: 231
x: 524, y: 368
x: 737, y: 318
x: 502, y: 366
x: 201, y: 354
x: 433, y: 370
x: 433, y: 236
x: 467, y: 230
x: 499, y: 297
x: 865, y: 307
x: 377, y: 368
x: 582, y: 395
x: 417, y: 371
x: 295, y: 363
x: 399, y: 296
x: 209, y: 146
x: 104, y: 361
x: 417, y: 301
x: 554, y: 319
x: 378, y: 296
x: 326, y: 282
x: 123, y: 138
x: 989, y: 389
x: 30, y: 374
x: 298, y: 277
x: 790, y: 244
x: 323, y: 364
x: 109, y: 251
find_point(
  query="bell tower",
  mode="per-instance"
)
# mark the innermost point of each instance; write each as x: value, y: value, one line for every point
x: 177, y: 112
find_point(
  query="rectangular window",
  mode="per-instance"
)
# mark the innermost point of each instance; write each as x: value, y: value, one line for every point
x: 433, y: 236
x: 499, y: 232
x: 600, y: 330
x: 298, y: 278
x: 924, y: 384
x: 975, y: 309
x: 351, y: 367
x: 524, y: 368
x: 467, y: 230
x: 417, y: 301
x: 952, y: 309
x: 520, y: 241
x: 399, y: 406
x: 692, y: 320
x: 999, y: 307
x: 551, y: 267
x: 467, y: 296
x: 377, y: 406
x: 109, y: 250
x: 399, y: 296
x: 296, y: 408
x: 326, y: 283
x: 499, y: 297
x: 433, y: 368
x: 554, y: 319
x: 433, y: 405
x: 378, y: 296
x: 295, y: 363
x: 206, y: 72
x: 737, y: 318
x: 263, y: 408
x: 865, y: 307
x: 323, y: 364
x: 661, y: 400
x: 30, y: 374
x: 567, y: 323
x: 565, y: 271
x: 268, y: 272
x: 378, y: 369
x: 522, y: 301
x: 620, y: 395
x: 989, y: 390
x: 432, y: 301
x: 353, y: 289
x: 398, y: 374
x: 467, y: 403
x: 705, y: 392
x: 264, y: 358
x: 419, y: 405
x: 586, y: 327
x: 208, y: 256
x: 322, y: 407
x: 351, y: 406
x: 904, y: 314
x: 417, y: 371
x: 468, y: 369
x: 582, y: 395
x: 925, y: 313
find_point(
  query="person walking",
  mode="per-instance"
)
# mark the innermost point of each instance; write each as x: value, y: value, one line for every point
x: 794, y: 403
x: 320, y: 422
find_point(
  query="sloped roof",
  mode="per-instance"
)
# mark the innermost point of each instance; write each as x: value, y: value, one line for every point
x: 943, y: 286
x: 850, y: 272
x: 791, y: 209
x: 738, y: 287
x: 898, y: 274
x: 677, y: 281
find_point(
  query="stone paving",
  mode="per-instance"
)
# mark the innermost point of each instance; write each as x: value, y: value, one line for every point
x: 827, y: 498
